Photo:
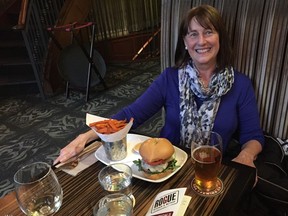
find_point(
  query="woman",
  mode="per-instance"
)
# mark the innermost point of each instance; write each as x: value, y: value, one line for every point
x: 202, y: 91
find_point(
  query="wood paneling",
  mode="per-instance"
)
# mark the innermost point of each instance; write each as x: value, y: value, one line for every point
x: 123, y: 49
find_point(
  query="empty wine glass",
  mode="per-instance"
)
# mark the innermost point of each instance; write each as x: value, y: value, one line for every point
x: 38, y: 191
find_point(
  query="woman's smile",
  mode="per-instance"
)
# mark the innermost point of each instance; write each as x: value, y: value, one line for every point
x: 202, y: 50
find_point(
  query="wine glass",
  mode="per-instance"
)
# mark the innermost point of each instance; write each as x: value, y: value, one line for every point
x: 38, y: 191
x: 206, y: 154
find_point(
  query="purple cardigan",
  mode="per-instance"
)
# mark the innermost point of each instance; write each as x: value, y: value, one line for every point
x: 237, y: 111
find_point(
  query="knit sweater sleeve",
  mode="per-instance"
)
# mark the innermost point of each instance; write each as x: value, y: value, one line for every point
x: 248, y: 116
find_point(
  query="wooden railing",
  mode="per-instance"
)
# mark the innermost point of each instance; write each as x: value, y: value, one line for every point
x: 22, y: 15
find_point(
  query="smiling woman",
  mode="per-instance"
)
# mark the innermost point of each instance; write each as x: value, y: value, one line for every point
x: 178, y: 91
x: 228, y: 108
x: 251, y: 27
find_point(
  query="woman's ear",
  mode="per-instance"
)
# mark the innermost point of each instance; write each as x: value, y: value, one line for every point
x: 185, y: 46
x: 184, y: 42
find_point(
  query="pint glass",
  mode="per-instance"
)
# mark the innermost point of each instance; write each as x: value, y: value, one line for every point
x: 206, y: 154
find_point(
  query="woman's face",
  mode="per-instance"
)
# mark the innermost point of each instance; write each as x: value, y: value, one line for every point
x: 202, y: 44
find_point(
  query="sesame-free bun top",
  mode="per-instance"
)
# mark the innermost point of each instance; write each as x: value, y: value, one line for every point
x: 155, y: 149
x: 136, y: 148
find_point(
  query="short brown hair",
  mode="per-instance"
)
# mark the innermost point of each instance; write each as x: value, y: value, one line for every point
x: 208, y: 17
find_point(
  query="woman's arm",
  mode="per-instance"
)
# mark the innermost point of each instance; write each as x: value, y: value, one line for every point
x: 149, y: 103
x: 249, y: 153
x: 76, y: 146
x: 251, y: 135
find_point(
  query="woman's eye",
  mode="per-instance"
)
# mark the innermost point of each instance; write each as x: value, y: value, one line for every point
x: 192, y: 34
x: 209, y: 32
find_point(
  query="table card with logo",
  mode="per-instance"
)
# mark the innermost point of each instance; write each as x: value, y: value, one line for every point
x: 172, y: 202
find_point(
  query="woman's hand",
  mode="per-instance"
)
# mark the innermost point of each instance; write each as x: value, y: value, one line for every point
x: 245, y: 158
x: 248, y: 154
x: 75, y: 147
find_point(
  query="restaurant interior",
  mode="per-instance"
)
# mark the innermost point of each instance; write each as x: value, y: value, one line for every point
x: 43, y: 104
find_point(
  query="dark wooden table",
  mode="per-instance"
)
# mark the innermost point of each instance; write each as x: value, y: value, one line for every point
x: 82, y: 192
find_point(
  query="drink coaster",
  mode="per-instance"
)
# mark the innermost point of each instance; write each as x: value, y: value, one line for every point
x: 219, y: 189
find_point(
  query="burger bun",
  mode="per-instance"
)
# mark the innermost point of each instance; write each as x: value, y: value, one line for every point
x: 137, y: 147
x: 155, y: 149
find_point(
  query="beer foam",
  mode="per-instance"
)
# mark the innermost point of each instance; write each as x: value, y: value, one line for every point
x: 203, y: 155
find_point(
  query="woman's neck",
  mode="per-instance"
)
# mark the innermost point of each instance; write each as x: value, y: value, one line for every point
x: 205, y: 72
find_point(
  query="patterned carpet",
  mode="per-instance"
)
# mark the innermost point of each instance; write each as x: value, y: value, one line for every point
x: 35, y: 130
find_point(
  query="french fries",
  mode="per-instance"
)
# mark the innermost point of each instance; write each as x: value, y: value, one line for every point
x: 108, y: 126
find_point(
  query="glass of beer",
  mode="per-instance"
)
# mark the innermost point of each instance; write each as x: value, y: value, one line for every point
x: 206, y: 154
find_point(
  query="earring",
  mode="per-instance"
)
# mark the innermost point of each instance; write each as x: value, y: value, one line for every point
x: 185, y: 47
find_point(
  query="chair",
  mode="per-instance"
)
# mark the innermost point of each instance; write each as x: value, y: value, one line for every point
x: 77, y: 58
x: 74, y: 66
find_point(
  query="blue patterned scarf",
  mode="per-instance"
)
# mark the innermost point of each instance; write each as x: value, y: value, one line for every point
x: 203, y: 118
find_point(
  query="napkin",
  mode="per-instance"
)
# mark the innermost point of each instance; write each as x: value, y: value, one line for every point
x: 86, y: 158
x: 82, y: 165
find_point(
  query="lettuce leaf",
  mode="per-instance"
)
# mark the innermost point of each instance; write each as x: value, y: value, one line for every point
x: 171, y: 166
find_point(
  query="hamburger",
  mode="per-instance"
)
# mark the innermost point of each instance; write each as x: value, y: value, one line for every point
x: 157, y: 158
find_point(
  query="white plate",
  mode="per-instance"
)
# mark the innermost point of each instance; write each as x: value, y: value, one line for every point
x: 132, y: 140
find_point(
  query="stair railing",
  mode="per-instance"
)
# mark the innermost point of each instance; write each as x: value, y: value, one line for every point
x: 37, y: 15
x: 34, y: 17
